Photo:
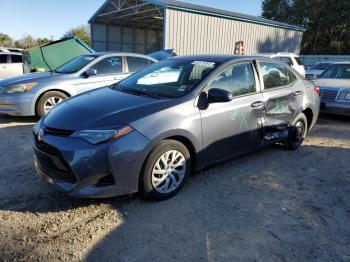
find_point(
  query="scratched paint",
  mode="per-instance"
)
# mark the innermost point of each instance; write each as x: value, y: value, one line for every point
x: 280, y: 108
x: 239, y: 116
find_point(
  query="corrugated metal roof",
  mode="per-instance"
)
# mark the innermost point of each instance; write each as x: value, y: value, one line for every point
x: 188, y: 7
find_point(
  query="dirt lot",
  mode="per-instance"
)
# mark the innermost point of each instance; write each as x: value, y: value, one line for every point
x: 272, y: 205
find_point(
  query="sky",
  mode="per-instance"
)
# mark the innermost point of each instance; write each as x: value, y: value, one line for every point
x: 47, y: 18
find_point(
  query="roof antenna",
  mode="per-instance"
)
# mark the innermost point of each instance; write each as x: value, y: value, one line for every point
x: 42, y: 54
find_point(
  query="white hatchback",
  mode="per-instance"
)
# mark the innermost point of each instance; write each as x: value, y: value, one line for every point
x: 292, y: 60
x: 10, y: 64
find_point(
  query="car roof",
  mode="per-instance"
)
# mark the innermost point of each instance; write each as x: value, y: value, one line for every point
x: 10, y: 53
x: 217, y: 58
x: 101, y: 54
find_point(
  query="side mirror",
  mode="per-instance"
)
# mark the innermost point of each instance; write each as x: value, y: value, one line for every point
x: 90, y: 72
x: 217, y: 95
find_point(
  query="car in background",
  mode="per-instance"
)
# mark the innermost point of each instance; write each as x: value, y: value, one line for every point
x: 10, y: 64
x: 148, y: 135
x: 316, y: 70
x: 37, y: 93
x: 292, y: 60
x: 334, y: 86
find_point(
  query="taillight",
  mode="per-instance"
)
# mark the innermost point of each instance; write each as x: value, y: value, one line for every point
x: 317, y: 90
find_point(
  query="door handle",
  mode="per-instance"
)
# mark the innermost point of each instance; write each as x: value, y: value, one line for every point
x: 257, y: 104
x: 298, y: 93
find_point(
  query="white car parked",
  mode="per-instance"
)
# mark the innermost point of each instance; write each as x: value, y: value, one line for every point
x: 10, y: 64
x: 292, y: 60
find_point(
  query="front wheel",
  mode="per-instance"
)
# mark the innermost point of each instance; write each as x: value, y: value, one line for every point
x: 48, y: 101
x: 166, y: 170
x: 297, y: 132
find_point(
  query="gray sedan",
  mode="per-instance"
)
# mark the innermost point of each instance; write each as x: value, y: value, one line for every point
x: 151, y: 130
x: 38, y: 93
x: 334, y: 85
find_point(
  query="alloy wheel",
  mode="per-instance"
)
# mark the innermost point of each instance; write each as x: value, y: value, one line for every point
x: 51, y: 102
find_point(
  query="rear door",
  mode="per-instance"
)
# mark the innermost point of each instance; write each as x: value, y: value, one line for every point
x: 282, y: 94
x: 109, y: 71
x: 233, y: 127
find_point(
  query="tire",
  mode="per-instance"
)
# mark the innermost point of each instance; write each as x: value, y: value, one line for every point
x: 43, y: 103
x: 159, y: 182
x: 297, y: 133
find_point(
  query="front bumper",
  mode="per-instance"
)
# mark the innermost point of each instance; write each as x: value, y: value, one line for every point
x: 77, y: 167
x: 17, y: 104
x: 336, y: 108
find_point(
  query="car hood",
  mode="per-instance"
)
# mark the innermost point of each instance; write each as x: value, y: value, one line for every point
x: 101, y: 108
x: 337, y: 83
x: 33, y: 77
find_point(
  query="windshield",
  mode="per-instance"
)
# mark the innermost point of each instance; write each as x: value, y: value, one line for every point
x: 170, y: 78
x: 337, y: 71
x: 75, y: 65
x: 320, y: 66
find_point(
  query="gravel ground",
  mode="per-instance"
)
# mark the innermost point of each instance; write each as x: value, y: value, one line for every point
x: 271, y: 205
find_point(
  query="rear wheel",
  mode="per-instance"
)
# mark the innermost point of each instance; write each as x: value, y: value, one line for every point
x: 166, y: 170
x: 297, y: 132
x: 48, y: 101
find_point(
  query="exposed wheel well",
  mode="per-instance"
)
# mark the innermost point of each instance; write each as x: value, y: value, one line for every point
x: 56, y: 90
x: 309, y: 116
x: 188, y: 144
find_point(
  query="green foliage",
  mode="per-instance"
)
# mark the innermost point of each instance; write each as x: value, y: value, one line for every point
x: 83, y: 32
x: 5, y: 40
x: 327, y: 22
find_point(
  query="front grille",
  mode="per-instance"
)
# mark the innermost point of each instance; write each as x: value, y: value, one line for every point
x: 328, y: 95
x: 51, y: 163
x: 58, y: 132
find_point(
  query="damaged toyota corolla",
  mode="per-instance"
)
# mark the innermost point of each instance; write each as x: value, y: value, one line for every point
x: 150, y: 131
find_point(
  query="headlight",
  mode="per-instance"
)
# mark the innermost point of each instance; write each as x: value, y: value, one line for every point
x: 344, y: 96
x: 21, y: 88
x: 100, y: 136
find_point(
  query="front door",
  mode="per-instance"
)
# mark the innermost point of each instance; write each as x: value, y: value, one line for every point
x: 233, y: 127
x: 109, y: 71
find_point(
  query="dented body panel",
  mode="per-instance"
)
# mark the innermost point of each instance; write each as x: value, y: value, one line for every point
x: 211, y: 131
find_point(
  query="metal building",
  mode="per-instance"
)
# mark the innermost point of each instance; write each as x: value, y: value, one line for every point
x: 143, y: 26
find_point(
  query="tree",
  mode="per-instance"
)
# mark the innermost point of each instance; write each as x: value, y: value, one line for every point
x: 26, y: 41
x: 327, y: 22
x: 5, y: 40
x: 83, y: 32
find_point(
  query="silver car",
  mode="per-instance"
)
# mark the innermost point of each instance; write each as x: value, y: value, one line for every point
x: 10, y: 64
x: 37, y: 93
x: 334, y: 86
x: 150, y: 131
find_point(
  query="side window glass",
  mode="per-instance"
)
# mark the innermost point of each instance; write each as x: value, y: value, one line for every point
x: 16, y: 58
x: 136, y: 64
x: 3, y: 59
x: 276, y: 75
x: 109, y: 65
x: 237, y: 79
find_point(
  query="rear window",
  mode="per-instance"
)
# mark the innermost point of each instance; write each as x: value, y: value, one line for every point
x: 16, y: 58
x: 338, y: 71
x: 298, y: 60
x: 286, y: 60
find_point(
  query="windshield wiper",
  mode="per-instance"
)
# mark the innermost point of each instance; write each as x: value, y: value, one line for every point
x: 139, y: 92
